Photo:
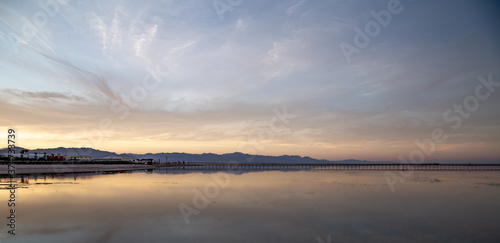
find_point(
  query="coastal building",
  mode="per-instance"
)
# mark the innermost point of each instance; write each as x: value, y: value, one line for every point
x: 146, y: 161
x: 78, y: 158
x: 112, y: 159
x: 56, y: 157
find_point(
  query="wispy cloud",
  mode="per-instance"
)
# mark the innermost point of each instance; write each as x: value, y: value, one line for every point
x: 45, y: 95
x: 226, y: 76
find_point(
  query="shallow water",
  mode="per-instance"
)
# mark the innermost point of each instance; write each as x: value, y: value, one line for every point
x: 264, y: 206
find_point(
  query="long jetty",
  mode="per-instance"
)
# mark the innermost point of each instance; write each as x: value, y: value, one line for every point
x: 332, y: 166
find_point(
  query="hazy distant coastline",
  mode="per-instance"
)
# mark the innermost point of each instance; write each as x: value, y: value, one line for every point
x: 204, y: 158
x: 179, y: 157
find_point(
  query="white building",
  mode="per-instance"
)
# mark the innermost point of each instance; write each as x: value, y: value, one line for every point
x: 78, y: 158
x: 106, y: 159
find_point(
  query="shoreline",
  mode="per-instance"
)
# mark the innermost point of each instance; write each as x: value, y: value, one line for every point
x: 24, y: 169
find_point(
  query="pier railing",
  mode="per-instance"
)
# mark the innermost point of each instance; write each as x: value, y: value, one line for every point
x: 332, y: 166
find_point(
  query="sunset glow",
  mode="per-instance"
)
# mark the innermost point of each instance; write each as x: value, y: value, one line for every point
x: 264, y: 77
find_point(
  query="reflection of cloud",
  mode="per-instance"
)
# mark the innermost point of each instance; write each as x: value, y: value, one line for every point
x: 269, y: 206
x: 495, y: 184
x: 425, y: 179
x: 110, y: 231
x: 53, y: 230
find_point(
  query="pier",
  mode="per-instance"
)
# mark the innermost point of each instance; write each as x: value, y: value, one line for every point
x: 332, y: 166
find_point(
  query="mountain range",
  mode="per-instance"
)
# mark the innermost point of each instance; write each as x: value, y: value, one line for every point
x: 175, y: 157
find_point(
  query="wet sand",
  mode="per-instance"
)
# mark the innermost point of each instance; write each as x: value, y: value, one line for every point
x: 23, y: 169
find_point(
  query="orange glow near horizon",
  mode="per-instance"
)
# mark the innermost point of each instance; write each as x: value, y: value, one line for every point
x: 371, y: 151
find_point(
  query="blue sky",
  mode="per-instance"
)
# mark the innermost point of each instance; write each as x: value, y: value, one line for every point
x: 173, y: 76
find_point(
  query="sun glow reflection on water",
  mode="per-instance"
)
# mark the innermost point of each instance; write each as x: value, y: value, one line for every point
x: 265, y: 206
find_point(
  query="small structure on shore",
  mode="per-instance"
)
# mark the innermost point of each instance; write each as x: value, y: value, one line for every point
x: 78, y: 158
x: 113, y: 159
x: 146, y: 161
x: 56, y: 157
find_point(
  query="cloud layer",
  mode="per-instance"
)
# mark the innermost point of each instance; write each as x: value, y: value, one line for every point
x: 171, y: 76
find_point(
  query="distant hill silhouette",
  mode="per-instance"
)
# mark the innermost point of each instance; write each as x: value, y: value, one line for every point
x: 174, y: 157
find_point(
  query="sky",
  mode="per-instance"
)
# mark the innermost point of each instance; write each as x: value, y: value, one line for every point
x: 339, y: 79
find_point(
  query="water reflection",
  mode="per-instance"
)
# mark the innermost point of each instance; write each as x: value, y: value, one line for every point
x: 267, y: 206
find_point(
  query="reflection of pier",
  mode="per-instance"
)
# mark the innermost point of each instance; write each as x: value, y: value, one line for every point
x: 307, y: 166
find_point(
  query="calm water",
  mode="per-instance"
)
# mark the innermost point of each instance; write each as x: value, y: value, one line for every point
x: 267, y: 206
